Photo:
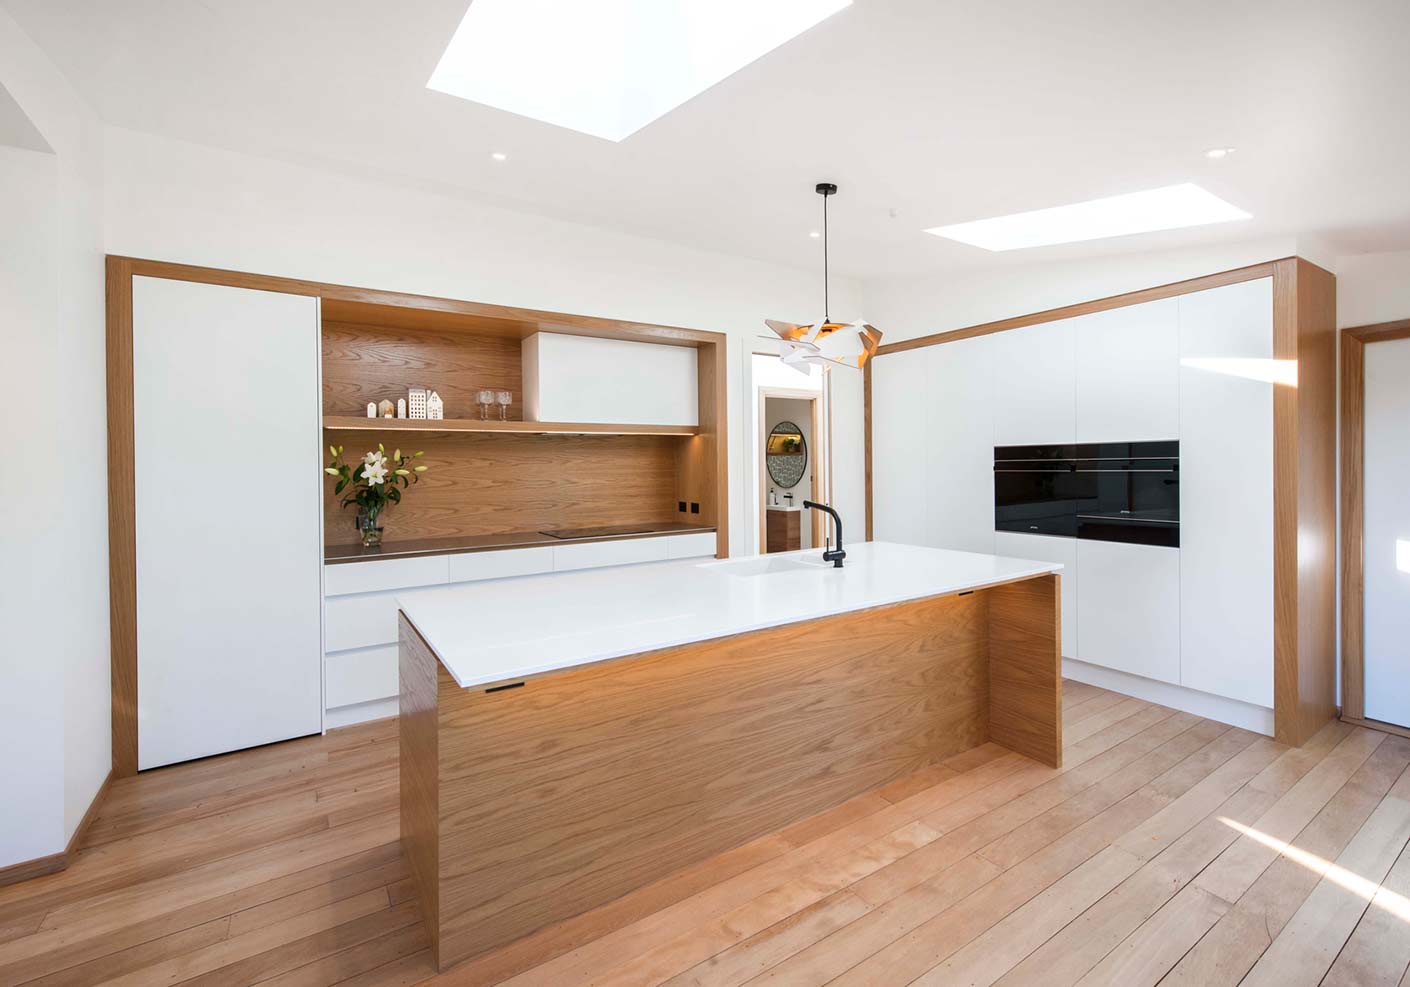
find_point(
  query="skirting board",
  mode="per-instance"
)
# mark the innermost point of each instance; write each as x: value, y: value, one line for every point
x: 55, y: 862
x: 1259, y: 719
x: 346, y: 716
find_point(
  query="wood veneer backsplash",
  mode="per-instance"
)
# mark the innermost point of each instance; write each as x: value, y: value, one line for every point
x: 496, y: 484
x: 364, y: 364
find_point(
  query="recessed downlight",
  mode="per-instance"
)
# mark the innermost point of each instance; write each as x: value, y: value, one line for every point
x: 1218, y: 153
x: 814, y: 234
x: 499, y: 156
x: 1170, y: 208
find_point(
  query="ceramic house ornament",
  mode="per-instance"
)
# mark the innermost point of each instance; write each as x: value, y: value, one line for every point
x: 416, y: 402
x: 401, y: 407
x: 385, y: 408
x: 435, y: 408
x: 371, y: 409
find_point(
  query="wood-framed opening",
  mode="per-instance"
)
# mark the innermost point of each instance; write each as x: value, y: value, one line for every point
x: 1354, y: 343
x: 819, y: 462
x: 1304, y: 481
x: 693, y: 461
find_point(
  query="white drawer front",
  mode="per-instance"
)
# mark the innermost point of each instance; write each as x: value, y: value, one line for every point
x: 361, y: 621
x: 1128, y: 608
x: 589, y: 555
x: 361, y: 676
x: 690, y: 546
x: 499, y: 565
x: 383, y: 574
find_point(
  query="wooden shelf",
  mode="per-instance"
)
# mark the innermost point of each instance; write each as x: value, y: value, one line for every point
x: 363, y: 424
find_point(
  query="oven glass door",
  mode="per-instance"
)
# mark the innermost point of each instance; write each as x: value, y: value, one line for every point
x: 1035, y: 490
x: 1129, y: 492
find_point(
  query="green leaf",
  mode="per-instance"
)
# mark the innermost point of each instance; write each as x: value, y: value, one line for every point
x: 340, y: 487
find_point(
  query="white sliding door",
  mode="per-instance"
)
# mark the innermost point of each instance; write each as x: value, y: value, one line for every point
x: 1387, y: 532
x: 228, y: 518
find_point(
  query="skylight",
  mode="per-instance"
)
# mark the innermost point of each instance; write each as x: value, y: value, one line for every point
x: 610, y: 67
x: 1170, y: 208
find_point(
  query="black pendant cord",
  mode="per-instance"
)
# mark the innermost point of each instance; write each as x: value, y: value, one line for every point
x: 827, y: 316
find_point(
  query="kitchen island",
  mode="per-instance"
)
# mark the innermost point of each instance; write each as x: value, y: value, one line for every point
x: 568, y: 738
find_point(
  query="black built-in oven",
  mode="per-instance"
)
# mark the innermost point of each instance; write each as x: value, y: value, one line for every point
x: 1104, y: 491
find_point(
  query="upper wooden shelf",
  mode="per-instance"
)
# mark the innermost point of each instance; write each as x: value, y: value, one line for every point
x: 364, y: 424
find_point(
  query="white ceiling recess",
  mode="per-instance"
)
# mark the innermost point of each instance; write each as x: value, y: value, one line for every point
x: 925, y: 113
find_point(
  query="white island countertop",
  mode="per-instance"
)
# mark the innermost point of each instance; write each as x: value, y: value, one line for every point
x: 503, y: 631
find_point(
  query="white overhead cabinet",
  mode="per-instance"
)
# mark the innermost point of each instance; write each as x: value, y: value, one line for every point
x: 609, y: 381
x: 1035, y: 389
x: 1128, y: 373
x: 229, y: 533
x: 1226, y: 491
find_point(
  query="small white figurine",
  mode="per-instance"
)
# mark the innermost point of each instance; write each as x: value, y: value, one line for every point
x: 371, y: 409
x: 416, y: 402
x: 385, y: 408
x: 401, y: 407
x: 435, y: 408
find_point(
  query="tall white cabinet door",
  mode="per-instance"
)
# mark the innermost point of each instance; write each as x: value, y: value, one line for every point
x: 959, y: 445
x: 228, y: 518
x: 1048, y: 548
x: 1035, y: 384
x: 1128, y: 608
x: 1387, y: 532
x: 899, y: 413
x: 1128, y: 373
x: 1226, y: 491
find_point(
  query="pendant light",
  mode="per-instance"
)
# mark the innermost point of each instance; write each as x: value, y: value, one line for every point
x: 825, y: 343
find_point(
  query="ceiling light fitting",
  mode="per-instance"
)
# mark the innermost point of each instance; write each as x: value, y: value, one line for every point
x: 824, y: 343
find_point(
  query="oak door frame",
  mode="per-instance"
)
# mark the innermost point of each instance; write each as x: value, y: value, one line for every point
x: 1353, y: 516
x: 1304, y: 471
x: 706, y: 454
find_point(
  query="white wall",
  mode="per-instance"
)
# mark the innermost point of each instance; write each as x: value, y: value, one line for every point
x: 176, y: 201
x: 54, y: 681
x: 1373, y: 288
x: 910, y: 307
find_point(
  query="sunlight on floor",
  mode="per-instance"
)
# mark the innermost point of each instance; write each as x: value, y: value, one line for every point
x: 1397, y: 905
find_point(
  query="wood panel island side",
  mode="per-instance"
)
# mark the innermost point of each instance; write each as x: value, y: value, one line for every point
x: 566, y: 739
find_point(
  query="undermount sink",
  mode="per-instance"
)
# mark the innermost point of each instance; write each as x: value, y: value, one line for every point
x: 767, y: 566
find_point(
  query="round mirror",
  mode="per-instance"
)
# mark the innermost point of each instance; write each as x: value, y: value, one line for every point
x: 786, y: 454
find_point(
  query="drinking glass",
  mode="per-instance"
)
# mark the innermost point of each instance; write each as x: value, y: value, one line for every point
x: 504, y: 398
x: 486, y: 399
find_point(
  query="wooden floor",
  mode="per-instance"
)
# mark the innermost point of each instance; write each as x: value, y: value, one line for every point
x: 1169, y: 849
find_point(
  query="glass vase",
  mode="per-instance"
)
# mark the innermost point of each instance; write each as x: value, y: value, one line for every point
x: 367, y: 526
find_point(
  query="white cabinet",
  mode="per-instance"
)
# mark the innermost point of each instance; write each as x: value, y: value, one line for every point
x: 690, y: 546
x: 1128, y: 373
x: 1226, y: 491
x: 1128, y: 608
x: 1045, y: 548
x: 610, y: 381
x: 900, y: 485
x: 383, y: 574
x: 229, y: 649
x: 591, y: 555
x: 958, y: 436
x: 471, y: 566
x: 1035, y: 390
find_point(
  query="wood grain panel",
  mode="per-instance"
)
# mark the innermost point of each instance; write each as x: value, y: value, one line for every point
x: 122, y: 519
x: 482, y: 484
x: 1353, y: 526
x: 702, y: 462
x: 419, y: 761
x: 783, y: 531
x: 368, y: 363
x: 566, y: 793
x: 489, y: 484
x: 1025, y: 668
x: 1304, y: 502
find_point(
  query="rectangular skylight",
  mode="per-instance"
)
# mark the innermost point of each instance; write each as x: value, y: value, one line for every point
x: 1169, y: 208
x: 610, y: 67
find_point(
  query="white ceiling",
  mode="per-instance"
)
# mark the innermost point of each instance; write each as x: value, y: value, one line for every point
x: 925, y: 112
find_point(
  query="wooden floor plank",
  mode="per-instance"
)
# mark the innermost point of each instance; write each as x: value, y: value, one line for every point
x: 281, y: 866
x: 1307, y: 946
